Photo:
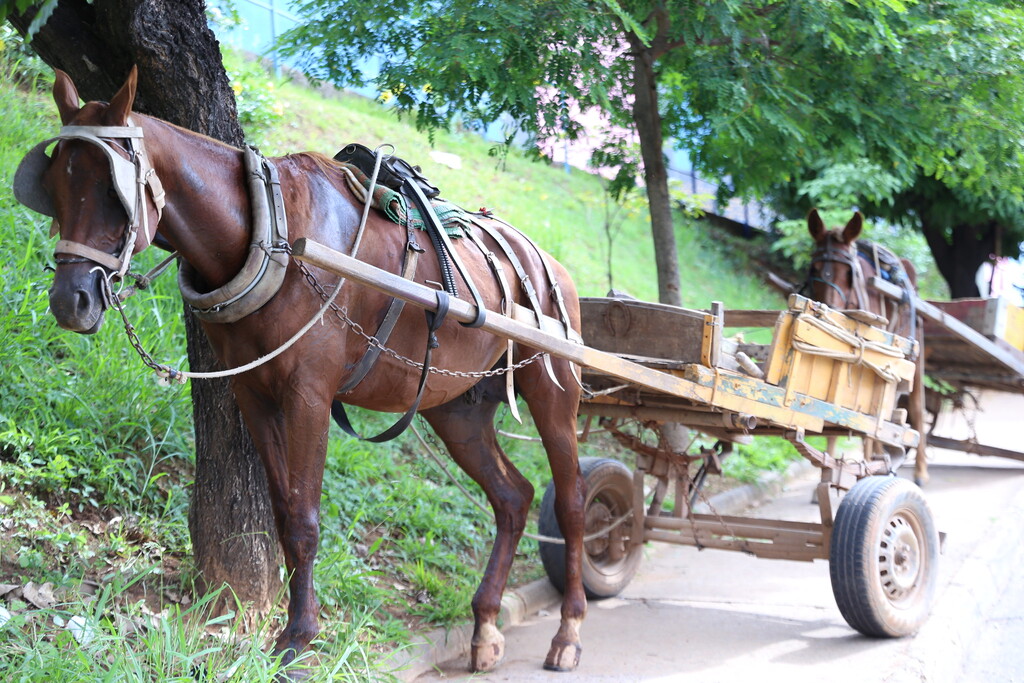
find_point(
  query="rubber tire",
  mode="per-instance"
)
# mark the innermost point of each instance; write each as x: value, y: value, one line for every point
x: 609, y: 496
x: 884, y: 522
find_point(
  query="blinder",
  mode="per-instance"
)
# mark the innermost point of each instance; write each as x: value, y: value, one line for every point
x: 28, y: 179
x: 129, y: 178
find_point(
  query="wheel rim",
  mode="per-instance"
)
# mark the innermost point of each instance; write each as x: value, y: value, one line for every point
x: 900, y: 557
x: 606, y: 553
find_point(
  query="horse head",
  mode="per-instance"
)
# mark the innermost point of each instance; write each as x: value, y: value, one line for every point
x: 93, y: 188
x: 836, y: 277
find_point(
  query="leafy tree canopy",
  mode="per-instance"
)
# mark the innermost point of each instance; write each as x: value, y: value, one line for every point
x: 759, y: 91
x: 748, y: 85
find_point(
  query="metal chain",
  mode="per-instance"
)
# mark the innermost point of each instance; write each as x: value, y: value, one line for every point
x: 163, y: 371
x: 342, y: 314
x: 744, y: 546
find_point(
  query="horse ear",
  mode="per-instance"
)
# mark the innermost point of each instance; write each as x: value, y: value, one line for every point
x: 121, y: 106
x: 815, y: 225
x: 853, y: 228
x: 65, y: 94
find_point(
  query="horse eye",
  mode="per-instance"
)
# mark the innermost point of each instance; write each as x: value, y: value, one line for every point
x: 111, y: 192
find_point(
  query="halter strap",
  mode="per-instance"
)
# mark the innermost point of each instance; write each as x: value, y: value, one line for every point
x: 828, y: 255
x: 108, y: 261
x: 131, y: 177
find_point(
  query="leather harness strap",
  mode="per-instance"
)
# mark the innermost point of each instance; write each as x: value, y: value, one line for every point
x: 506, y: 305
x: 436, y: 230
x: 434, y: 320
x: 387, y: 325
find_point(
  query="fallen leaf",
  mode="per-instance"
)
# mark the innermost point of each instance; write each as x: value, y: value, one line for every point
x: 40, y: 596
x: 98, y: 528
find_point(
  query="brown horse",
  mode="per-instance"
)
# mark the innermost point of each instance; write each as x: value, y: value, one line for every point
x: 194, y: 195
x: 838, y: 277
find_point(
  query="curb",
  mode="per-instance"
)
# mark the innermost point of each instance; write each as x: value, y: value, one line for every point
x: 943, y: 645
x: 442, y: 645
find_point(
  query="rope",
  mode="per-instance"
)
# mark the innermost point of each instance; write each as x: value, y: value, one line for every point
x: 169, y: 373
x: 860, y: 345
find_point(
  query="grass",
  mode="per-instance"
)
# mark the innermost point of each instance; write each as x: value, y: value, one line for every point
x: 96, y: 456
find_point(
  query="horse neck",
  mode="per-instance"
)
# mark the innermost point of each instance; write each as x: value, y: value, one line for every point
x: 207, y: 214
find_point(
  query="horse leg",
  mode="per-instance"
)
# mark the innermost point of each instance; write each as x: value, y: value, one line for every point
x: 292, y: 443
x: 554, y: 413
x: 466, y: 425
x: 916, y: 414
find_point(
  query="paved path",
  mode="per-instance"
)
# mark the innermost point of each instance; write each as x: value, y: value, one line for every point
x: 721, y: 616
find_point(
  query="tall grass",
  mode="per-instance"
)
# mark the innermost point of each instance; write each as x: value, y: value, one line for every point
x: 95, y: 455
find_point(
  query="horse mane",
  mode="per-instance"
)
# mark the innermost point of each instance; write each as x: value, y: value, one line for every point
x: 893, y: 268
x: 322, y: 161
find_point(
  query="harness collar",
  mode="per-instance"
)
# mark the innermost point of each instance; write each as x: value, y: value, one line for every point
x: 264, y: 269
x: 263, y: 272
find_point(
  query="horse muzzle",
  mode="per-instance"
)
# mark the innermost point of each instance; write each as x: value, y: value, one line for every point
x: 78, y: 302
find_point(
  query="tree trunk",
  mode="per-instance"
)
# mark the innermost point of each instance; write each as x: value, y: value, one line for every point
x: 648, y: 126
x: 182, y: 80
x: 958, y: 259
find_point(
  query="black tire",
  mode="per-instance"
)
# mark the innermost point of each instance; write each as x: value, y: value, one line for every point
x: 611, y: 561
x: 884, y: 557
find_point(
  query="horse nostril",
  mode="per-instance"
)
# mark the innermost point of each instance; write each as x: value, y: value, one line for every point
x: 83, y: 302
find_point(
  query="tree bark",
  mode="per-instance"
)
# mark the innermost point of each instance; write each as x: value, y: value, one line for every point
x: 960, y: 254
x: 648, y: 126
x: 182, y: 80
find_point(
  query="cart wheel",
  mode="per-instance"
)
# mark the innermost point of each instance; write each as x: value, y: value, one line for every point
x: 610, y: 561
x: 884, y: 557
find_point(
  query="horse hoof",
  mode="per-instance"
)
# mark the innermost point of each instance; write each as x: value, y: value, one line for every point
x: 563, y: 657
x: 487, y: 651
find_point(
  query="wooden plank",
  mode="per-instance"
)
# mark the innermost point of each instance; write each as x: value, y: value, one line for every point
x: 955, y: 327
x: 760, y: 549
x: 752, y: 318
x: 503, y: 326
x: 641, y: 328
x: 972, y: 447
x: 746, y: 527
x: 743, y: 394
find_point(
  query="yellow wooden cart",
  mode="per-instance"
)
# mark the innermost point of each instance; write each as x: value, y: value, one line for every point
x: 650, y: 365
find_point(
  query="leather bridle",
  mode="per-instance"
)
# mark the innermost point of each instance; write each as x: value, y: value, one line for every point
x: 132, y: 174
x: 828, y: 255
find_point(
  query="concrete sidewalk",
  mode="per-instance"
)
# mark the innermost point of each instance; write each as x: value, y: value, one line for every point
x: 448, y: 646
x: 723, y: 616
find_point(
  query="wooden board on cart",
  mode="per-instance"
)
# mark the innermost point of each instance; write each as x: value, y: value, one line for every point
x: 958, y: 353
x: 995, y: 361
x: 817, y: 372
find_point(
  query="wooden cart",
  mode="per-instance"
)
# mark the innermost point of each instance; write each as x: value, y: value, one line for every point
x: 823, y: 373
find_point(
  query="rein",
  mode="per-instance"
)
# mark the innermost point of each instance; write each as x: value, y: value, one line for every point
x: 167, y: 372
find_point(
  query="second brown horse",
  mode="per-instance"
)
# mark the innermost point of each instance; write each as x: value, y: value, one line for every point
x: 838, y: 277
